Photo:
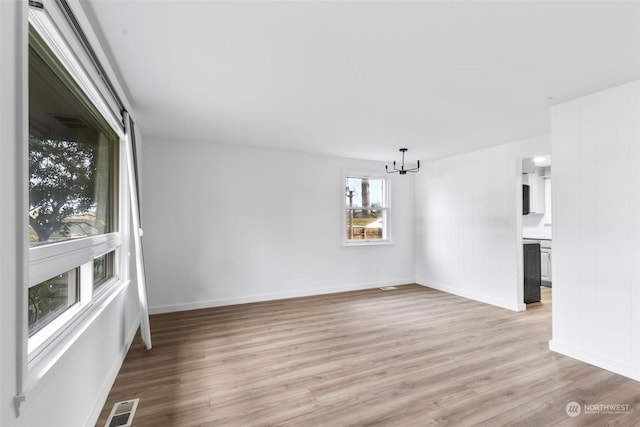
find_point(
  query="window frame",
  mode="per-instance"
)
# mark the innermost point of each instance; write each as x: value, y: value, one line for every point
x: 48, y: 344
x: 386, y: 209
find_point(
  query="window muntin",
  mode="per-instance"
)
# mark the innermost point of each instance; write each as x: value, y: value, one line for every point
x: 73, y: 155
x: 366, y: 209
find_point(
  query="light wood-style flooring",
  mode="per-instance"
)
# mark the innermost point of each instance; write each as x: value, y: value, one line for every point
x: 407, y: 357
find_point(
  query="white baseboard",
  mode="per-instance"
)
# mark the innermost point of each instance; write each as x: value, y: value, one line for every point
x: 276, y: 296
x: 595, y: 360
x: 509, y: 305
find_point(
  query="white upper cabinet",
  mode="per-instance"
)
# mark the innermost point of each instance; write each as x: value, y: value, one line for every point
x: 536, y: 182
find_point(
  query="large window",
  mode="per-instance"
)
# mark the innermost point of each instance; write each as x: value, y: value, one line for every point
x: 366, y: 209
x: 73, y: 196
x: 72, y: 156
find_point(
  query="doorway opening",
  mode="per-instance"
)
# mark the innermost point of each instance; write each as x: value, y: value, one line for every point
x: 534, y: 226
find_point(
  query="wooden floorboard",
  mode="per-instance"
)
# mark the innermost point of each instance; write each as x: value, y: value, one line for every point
x: 407, y: 357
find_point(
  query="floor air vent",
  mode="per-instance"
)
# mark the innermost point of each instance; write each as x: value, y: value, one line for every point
x: 388, y: 288
x: 122, y: 414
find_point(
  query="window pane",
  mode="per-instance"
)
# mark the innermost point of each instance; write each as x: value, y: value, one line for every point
x: 102, y: 269
x: 51, y: 298
x: 363, y: 224
x: 73, y: 155
x: 365, y: 192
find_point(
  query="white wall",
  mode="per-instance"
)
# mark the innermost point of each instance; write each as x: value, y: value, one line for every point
x: 534, y: 226
x: 596, y: 269
x: 468, y: 221
x: 226, y: 225
x: 74, y: 389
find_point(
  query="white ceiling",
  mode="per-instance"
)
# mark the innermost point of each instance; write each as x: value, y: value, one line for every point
x: 363, y: 78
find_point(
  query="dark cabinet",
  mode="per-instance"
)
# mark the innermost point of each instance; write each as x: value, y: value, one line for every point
x: 526, y: 198
x: 532, y: 279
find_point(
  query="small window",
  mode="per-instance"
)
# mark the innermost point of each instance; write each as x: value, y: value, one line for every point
x: 366, y: 209
x: 103, y: 269
x: 51, y: 298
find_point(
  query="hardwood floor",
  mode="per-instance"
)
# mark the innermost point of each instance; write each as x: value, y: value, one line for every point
x: 407, y: 357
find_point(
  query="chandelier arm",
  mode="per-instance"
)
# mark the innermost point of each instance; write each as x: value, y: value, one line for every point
x: 395, y: 169
x: 416, y: 169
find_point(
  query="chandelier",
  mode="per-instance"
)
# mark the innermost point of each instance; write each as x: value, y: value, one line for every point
x: 402, y: 170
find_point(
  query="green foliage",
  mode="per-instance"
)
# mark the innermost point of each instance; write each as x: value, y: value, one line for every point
x: 61, y: 183
x: 44, y: 299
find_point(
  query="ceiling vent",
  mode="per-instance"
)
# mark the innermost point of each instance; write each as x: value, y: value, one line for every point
x: 122, y: 414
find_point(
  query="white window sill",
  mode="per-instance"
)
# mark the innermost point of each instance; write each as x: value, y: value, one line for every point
x: 356, y: 243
